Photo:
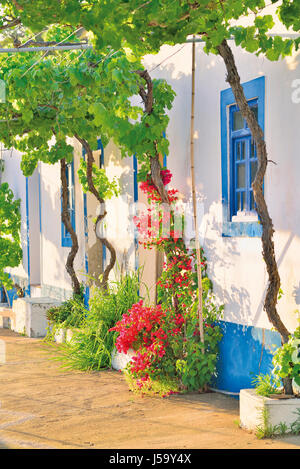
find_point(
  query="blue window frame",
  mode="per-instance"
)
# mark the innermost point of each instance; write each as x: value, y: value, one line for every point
x: 243, y: 160
x: 66, y: 240
x: 239, y: 161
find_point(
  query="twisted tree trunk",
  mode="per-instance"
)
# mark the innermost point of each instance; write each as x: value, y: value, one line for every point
x: 68, y: 225
x: 270, y: 304
x: 89, y: 173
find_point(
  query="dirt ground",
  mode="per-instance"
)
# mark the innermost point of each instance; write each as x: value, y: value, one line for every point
x: 45, y: 407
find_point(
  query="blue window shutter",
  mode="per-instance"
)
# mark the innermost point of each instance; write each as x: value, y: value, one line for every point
x: 236, y: 143
x: 66, y: 240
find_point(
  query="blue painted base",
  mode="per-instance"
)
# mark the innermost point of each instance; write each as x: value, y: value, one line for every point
x: 87, y: 297
x: 245, y: 352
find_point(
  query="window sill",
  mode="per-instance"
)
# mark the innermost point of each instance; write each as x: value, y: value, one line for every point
x: 245, y: 217
x: 245, y: 228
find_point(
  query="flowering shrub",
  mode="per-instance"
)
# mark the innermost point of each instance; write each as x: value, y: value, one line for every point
x: 169, y: 354
x: 139, y: 327
x: 148, y: 188
x: 167, y: 348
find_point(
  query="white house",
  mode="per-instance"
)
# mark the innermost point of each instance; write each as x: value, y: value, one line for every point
x: 230, y: 232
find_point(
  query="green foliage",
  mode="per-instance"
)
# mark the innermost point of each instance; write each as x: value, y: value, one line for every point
x: 92, y: 346
x: 162, y: 387
x: 266, y: 385
x: 69, y: 94
x: 10, y: 225
x: 106, y: 188
x: 144, y: 26
x: 197, y: 367
x: 295, y: 427
x: 286, y: 360
x: 70, y: 313
x: 266, y: 430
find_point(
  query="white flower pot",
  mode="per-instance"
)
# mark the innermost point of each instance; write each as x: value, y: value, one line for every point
x: 60, y: 335
x: 120, y: 360
x: 70, y: 334
x: 278, y: 410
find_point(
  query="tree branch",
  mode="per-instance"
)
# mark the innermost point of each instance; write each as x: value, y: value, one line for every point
x: 10, y: 24
x: 103, y: 213
x: 65, y: 216
x: 147, y: 98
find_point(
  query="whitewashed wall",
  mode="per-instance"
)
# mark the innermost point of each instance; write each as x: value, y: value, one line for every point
x: 119, y: 209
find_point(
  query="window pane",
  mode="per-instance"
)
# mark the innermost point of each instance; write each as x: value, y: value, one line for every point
x: 238, y: 151
x: 238, y: 121
x: 238, y: 204
x: 252, y: 149
x: 252, y: 203
x: 240, y: 201
x: 254, y: 109
x: 243, y: 149
x: 241, y: 175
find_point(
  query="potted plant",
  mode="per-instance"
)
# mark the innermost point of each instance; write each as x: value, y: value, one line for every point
x: 266, y: 408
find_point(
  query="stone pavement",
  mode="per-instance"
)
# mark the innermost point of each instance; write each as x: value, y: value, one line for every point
x: 44, y: 406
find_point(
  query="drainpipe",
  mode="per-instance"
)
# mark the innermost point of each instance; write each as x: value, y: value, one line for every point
x: 27, y: 237
x: 40, y: 218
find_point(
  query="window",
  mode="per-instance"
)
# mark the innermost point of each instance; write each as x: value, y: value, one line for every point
x: 239, y: 161
x: 243, y: 162
x: 65, y: 235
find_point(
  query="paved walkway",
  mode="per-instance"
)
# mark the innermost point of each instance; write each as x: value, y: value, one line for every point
x: 43, y: 406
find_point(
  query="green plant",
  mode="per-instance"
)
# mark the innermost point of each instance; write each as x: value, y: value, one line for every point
x: 286, y: 359
x: 266, y: 385
x: 265, y: 429
x: 92, y: 345
x: 70, y: 313
x: 162, y: 387
x: 169, y: 356
x: 10, y: 225
x: 282, y: 428
x: 295, y: 426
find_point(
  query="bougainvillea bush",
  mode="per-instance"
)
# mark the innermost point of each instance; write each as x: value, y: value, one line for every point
x: 169, y: 356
